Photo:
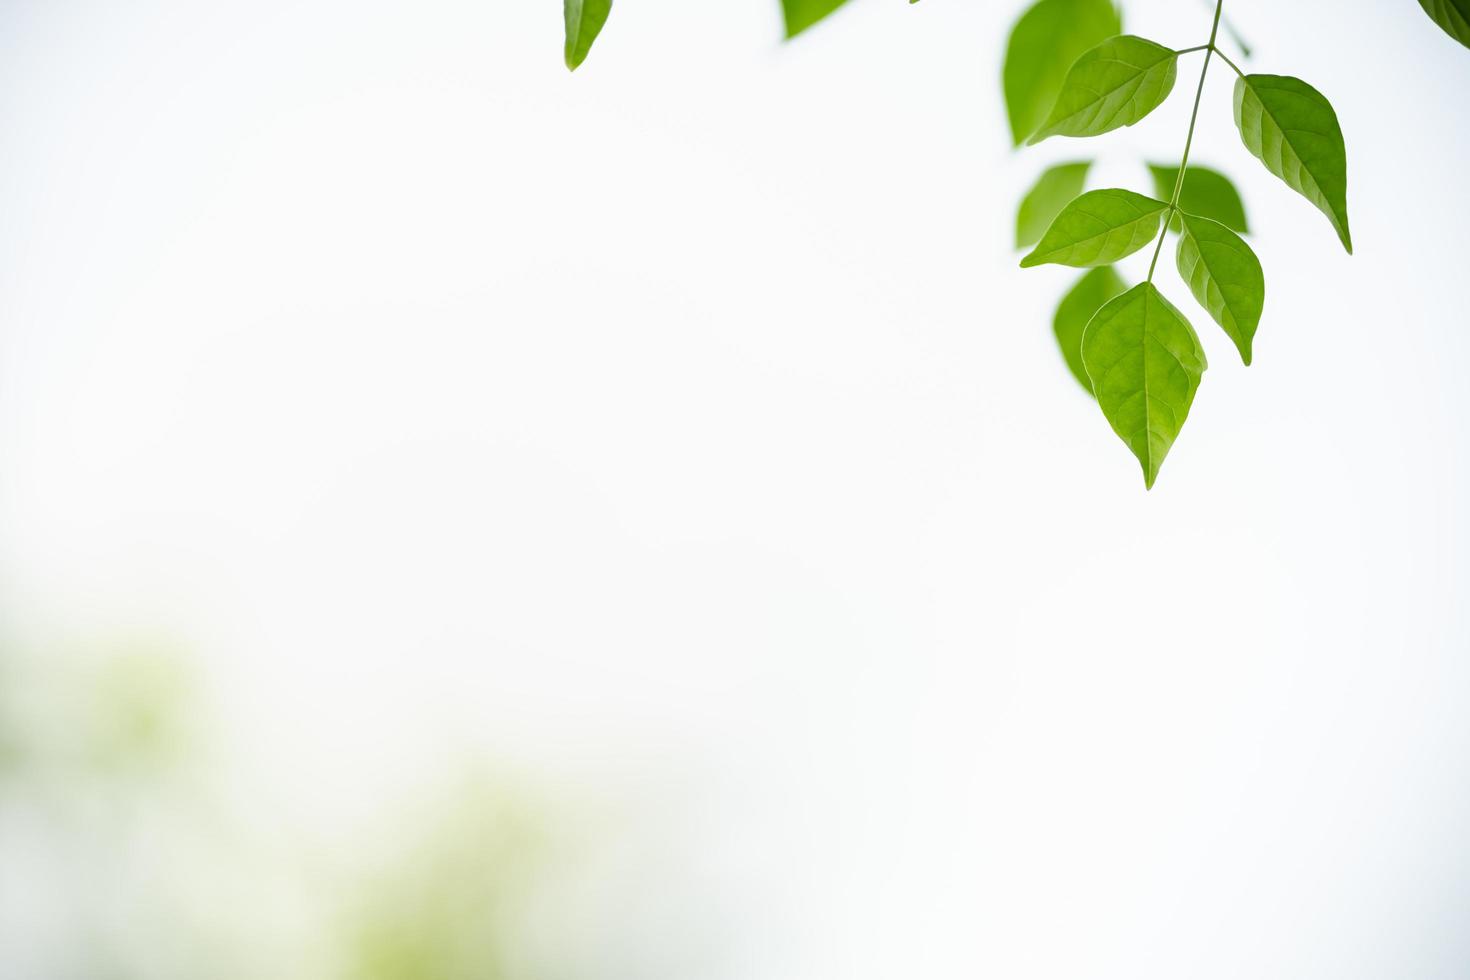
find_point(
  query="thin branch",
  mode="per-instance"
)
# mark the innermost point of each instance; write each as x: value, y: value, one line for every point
x: 1188, y: 140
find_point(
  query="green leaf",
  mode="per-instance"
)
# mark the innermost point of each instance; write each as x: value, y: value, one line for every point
x: 1225, y: 276
x: 1291, y: 128
x: 1145, y: 363
x: 1114, y: 84
x: 801, y: 14
x: 1099, y: 228
x: 1084, y: 299
x: 1452, y: 15
x: 584, y: 21
x: 1043, y: 202
x: 1207, y: 193
x: 1049, y: 36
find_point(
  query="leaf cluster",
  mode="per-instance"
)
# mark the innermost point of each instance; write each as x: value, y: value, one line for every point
x: 1070, y: 71
x: 1131, y: 348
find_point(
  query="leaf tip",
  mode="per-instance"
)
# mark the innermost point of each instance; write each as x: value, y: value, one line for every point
x: 1030, y: 261
x: 572, y: 56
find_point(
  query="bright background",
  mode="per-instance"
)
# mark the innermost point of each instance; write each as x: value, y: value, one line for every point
x: 679, y: 443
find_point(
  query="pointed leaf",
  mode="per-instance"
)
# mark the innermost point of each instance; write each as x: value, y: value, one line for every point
x: 1099, y: 228
x: 801, y: 14
x: 1292, y: 129
x: 584, y: 19
x: 1084, y: 299
x: 1049, y: 36
x: 1145, y: 363
x: 1452, y: 15
x: 1225, y: 276
x: 1044, y: 201
x: 1114, y: 84
x: 1207, y: 193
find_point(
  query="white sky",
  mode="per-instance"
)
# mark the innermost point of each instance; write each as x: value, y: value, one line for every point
x: 686, y: 426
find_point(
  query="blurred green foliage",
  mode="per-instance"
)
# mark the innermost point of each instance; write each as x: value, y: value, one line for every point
x: 447, y: 901
x: 79, y: 714
x: 1054, y: 189
x: 1206, y: 192
x: 105, y: 765
x: 137, y: 712
x: 1044, y: 43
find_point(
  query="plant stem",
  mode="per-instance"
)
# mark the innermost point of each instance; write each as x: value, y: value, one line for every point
x: 1188, y: 140
x: 1240, y: 42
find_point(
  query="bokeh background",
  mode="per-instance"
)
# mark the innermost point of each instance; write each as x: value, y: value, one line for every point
x: 464, y: 520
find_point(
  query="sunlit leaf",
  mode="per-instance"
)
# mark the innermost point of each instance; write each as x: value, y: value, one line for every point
x: 1452, y: 15
x: 1053, y: 190
x: 1084, y: 299
x: 1293, y: 130
x: 1145, y: 363
x: 801, y: 14
x: 1049, y: 36
x: 1207, y: 193
x: 584, y: 19
x: 1225, y: 276
x: 1099, y: 228
x: 1112, y: 85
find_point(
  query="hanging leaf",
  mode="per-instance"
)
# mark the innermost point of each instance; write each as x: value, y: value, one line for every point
x: 1114, y: 84
x: 1452, y: 15
x: 1207, y: 193
x: 1145, y: 363
x: 1084, y: 299
x: 1099, y: 228
x: 801, y: 14
x: 1225, y: 276
x: 1291, y: 128
x: 1049, y: 36
x: 1053, y: 190
x: 584, y: 20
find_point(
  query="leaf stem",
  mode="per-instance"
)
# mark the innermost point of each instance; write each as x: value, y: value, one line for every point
x: 1199, y: 92
x: 1226, y: 58
x: 1197, y: 47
